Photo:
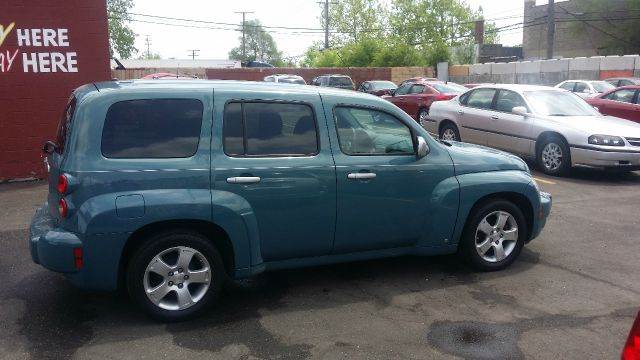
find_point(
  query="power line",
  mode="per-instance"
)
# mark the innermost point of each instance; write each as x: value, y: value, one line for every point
x: 244, y: 49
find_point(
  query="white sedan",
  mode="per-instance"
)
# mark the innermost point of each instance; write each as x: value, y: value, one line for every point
x: 553, y: 126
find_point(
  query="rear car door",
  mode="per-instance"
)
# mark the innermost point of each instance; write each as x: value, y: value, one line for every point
x: 475, y: 115
x: 509, y: 131
x: 413, y: 99
x: 621, y: 103
x: 384, y: 192
x: 274, y: 153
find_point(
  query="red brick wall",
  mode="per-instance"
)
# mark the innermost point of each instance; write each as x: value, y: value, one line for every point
x: 358, y: 75
x: 31, y: 103
x: 605, y: 74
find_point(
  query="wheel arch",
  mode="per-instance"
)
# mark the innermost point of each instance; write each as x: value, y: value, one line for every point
x: 546, y: 135
x: 518, y: 199
x: 215, y: 233
x: 445, y: 122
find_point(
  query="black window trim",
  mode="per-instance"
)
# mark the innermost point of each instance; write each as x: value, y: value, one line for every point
x: 634, y: 98
x: 242, y: 101
x: 197, y: 148
x: 375, y: 108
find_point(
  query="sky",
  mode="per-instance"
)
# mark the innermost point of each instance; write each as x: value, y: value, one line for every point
x: 215, y: 40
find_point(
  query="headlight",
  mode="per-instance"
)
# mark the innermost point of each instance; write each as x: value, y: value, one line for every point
x: 535, y: 185
x: 606, y: 140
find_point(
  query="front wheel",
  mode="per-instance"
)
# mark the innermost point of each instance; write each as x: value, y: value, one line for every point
x: 423, y: 115
x: 175, y: 275
x: 553, y: 156
x: 494, y: 235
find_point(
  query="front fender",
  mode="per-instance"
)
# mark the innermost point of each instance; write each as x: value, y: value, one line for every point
x: 475, y: 186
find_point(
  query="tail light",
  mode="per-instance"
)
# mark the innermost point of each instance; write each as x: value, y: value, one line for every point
x: 442, y: 97
x: 63, y: 208
x: 631, y: 349
x: 77, y: 257
x: 63, y: 184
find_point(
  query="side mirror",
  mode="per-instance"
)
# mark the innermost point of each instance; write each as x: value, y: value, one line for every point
x: 520, y: 110
x: 423, y: 148
x: 49, y: 147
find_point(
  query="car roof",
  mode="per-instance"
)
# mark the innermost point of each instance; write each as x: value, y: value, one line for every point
x: 341, y: 75
x: 172, y: 85
x: 517, y: 87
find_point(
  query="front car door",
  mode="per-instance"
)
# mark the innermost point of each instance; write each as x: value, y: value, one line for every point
x: 474, y: 117
x: 273, y: 155
x: 509, y: 131
x: 384, y: 193
x: 399, y: 97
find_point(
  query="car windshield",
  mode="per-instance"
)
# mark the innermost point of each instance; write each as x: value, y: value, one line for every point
x: 602, y: 86
x: 378, y: 85
x: 449, y: 88
x: 292, y: 80
x: 558, y: 103
x: 340, y: 80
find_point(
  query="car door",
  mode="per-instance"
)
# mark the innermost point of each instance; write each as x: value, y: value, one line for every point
x: 509, y: 131
x: 620, y: 103
x: 399, y: 97
x: 273, y: 162
x: 413, y: 99
x: 474, y: 116
x: 385, y: 194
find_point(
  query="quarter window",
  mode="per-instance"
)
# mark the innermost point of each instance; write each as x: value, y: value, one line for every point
x: 481, y: 98
x: 416, y: 89
x: 152, y: 128
x: 403, y: 89
x: 507, y: 100
x: 269, y: 129
x: 372, y: 132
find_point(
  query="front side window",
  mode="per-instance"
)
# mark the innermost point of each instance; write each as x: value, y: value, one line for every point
x: 507, y: 100
x: 569, y: 85
x: 152, y: 128
x: 372, y: 132
x: 582, y: 87
x: 624, y: 95
x: 403, y: 89
x: 269, y: 129
x: 602, y: 86
x: 481, y: 98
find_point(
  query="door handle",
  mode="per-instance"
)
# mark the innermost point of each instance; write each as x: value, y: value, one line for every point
x: 460, y: 112
x: 494, y: 117
x: 243, y: 180
x: 361, y: 176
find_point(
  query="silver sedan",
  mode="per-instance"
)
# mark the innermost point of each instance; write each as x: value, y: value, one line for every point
x: 553, y: 126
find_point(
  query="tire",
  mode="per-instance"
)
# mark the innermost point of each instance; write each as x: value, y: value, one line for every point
x: 423, y: 114
x: 449, y: 132
x: 479, y: 244
x: 172, y: 277
x: 553, y: 156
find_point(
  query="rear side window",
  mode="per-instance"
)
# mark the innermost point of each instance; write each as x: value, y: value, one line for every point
x: 507, y: 100
x: 580, y: 87
x: 481, y: 98
x: 416, y: 89
x: 269, y: 129
x: 65, y: 125
x: 152, y: 128
x: 340, y: 80
x: 568, y: 86
x: 623, y: 95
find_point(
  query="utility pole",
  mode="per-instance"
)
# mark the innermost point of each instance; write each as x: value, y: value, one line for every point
x: 325, y: 15
x: 147, y: 41
x: 194, y: 53
x: 244, y: 49
x: 551, y: 28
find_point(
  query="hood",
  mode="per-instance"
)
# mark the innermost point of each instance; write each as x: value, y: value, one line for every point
x: 601, y: 125
x: 470, y: 158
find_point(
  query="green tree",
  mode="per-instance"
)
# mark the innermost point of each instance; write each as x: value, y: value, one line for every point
x: 152, y: 56
x: 361, y: 53
x: 396, y: 53
x: 121, y: 37
x: 352, y: 20
x: 620, y: 35
x: 259, y: 45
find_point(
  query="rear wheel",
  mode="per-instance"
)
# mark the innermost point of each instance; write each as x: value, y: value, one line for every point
x: 175, y: 275
x: 553, y: 156
x: 423, y: 115
x: 449, y: 132
x: 494, y: 235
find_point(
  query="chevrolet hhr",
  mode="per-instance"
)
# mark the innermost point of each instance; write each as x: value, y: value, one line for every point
x: 171, y: 188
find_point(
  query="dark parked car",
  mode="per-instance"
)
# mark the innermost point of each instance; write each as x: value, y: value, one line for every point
x: 623, y: 102
x: 170, y: 190
x: 623, y: 81
x: 415, y: 98
x: 378, y: 87
x: 335, y: 81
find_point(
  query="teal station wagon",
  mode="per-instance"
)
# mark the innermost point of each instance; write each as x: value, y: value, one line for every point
x: 170, y: 188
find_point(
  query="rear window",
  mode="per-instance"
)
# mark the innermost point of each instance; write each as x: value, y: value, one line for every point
x: 152, y: 128
x: 340, y: 80
x: 269, y: 129
x: 64, y: 125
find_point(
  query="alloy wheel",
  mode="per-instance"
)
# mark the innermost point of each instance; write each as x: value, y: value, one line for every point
x: 422, y: 116
x: 177, y: 278
x: 552, y: 157
x: 496, y: 236
x: 449, y: 135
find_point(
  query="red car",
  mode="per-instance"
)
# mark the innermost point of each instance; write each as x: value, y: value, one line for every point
x: 631, y: 349
x: 416, y: 97
x: 623, y: 102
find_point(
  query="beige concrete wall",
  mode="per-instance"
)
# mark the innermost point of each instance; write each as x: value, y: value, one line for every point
x: 399, y: 74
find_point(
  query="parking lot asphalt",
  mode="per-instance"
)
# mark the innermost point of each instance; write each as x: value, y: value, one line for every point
x: 573, y: 294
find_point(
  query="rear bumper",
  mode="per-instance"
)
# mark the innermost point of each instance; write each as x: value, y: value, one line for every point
x: 605, y: 159
x: 51, y: 246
